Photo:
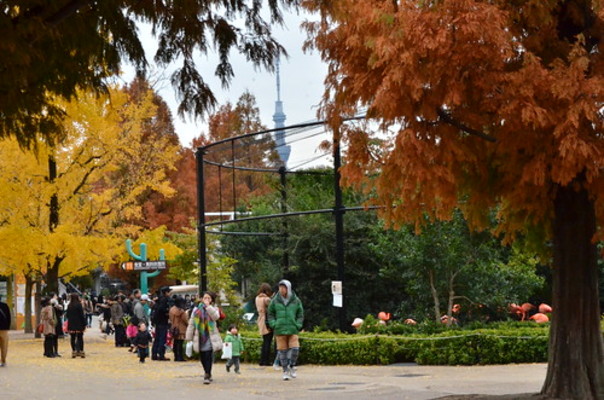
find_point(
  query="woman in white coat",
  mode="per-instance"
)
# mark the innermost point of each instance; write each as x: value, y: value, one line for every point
x: 202, y: 330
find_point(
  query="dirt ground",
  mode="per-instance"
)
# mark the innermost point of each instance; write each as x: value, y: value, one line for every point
x: 525, y: 396
x: 110, y: 372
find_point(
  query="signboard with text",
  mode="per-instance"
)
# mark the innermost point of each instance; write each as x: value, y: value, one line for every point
x: 336, y: 290
x: 144, y: 265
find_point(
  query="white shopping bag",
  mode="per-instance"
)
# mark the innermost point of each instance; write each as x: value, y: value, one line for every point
x: 189, y: 349
x: 227, y: 351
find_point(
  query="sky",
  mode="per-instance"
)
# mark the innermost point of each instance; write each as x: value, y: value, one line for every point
x: 301, y: 79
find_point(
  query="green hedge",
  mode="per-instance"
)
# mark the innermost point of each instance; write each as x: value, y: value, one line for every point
x: 455, y: 347
x: 494, y: 347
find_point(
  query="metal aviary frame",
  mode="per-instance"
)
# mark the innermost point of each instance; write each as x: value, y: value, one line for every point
x: 338, y: 209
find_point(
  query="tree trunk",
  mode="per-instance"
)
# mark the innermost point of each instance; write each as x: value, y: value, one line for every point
x: 52, y: 276
x: 434, y: 297
x: 575, y: 365
x: 12, y: 302
x: 451, y: 299
x: 29, y: 284
x: 38, y: 306
x: 52, y: 268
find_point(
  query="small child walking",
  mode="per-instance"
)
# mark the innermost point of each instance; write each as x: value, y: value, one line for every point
x: 142, y: 340
x: 236, y: 344
x: 131, y: 332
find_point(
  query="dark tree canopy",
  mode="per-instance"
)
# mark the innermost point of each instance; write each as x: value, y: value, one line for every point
x: 51, y: 47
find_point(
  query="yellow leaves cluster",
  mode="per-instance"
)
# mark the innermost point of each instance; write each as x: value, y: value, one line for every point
x: 103, y: 167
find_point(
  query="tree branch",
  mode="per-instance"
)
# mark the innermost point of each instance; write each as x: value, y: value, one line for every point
x: 92, y: 223
x: 67, y: 11
x: 446, y: 117
x: 463, y: 297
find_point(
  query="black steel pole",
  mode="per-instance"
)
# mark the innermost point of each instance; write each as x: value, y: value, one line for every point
x: 201, y: 229
x: 234, y: 187
x: 339, y: 216
x: 284, y: 224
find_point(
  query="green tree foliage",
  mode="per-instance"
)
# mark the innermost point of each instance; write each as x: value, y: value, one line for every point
x: 52, y: 48
x: 384, y: 269
x: 220, y: 267
x: 447, y: 263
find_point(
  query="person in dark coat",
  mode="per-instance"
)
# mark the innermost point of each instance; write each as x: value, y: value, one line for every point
x: 4, y: 327
x: 141, y: 341
x: 76, y: 325
x: 161, y: 323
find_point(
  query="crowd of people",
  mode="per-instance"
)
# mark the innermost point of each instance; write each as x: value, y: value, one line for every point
x: 146, y: 325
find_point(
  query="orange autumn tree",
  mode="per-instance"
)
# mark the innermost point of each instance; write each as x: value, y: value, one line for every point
x: 179, y: 211
x: 228, y: 189
x: 483, y: 105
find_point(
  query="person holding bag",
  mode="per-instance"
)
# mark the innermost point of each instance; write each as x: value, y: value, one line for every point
x: 202, y: 330
x: 48, y: 323
x: 234, y: 348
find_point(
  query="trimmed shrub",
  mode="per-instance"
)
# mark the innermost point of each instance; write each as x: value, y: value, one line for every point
x: 454, y: 347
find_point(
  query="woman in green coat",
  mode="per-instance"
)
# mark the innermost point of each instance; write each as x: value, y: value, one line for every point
x: 285, y: 317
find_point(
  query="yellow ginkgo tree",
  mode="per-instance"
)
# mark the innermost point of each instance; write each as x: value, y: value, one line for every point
x: 66, y: 208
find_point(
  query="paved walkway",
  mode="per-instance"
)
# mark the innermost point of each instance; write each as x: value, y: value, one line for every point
x: 109, y: 373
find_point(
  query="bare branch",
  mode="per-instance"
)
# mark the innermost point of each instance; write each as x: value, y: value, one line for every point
x: 446, y: 117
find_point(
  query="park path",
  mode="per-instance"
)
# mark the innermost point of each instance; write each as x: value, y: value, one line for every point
x: 109, y: 373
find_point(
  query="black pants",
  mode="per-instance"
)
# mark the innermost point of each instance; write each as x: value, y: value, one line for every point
x: 207, y: 358
x: 55, y: 344
x: 265, y: 352
x: 159, y: 344
x: 120, y: 335
x: 77, y: 341
x: 178, y: 350
x: 143, y: 352
x: 49, y: 345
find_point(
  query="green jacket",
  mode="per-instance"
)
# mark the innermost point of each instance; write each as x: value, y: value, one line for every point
x: 237, y: 343
x: 285, y: 319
